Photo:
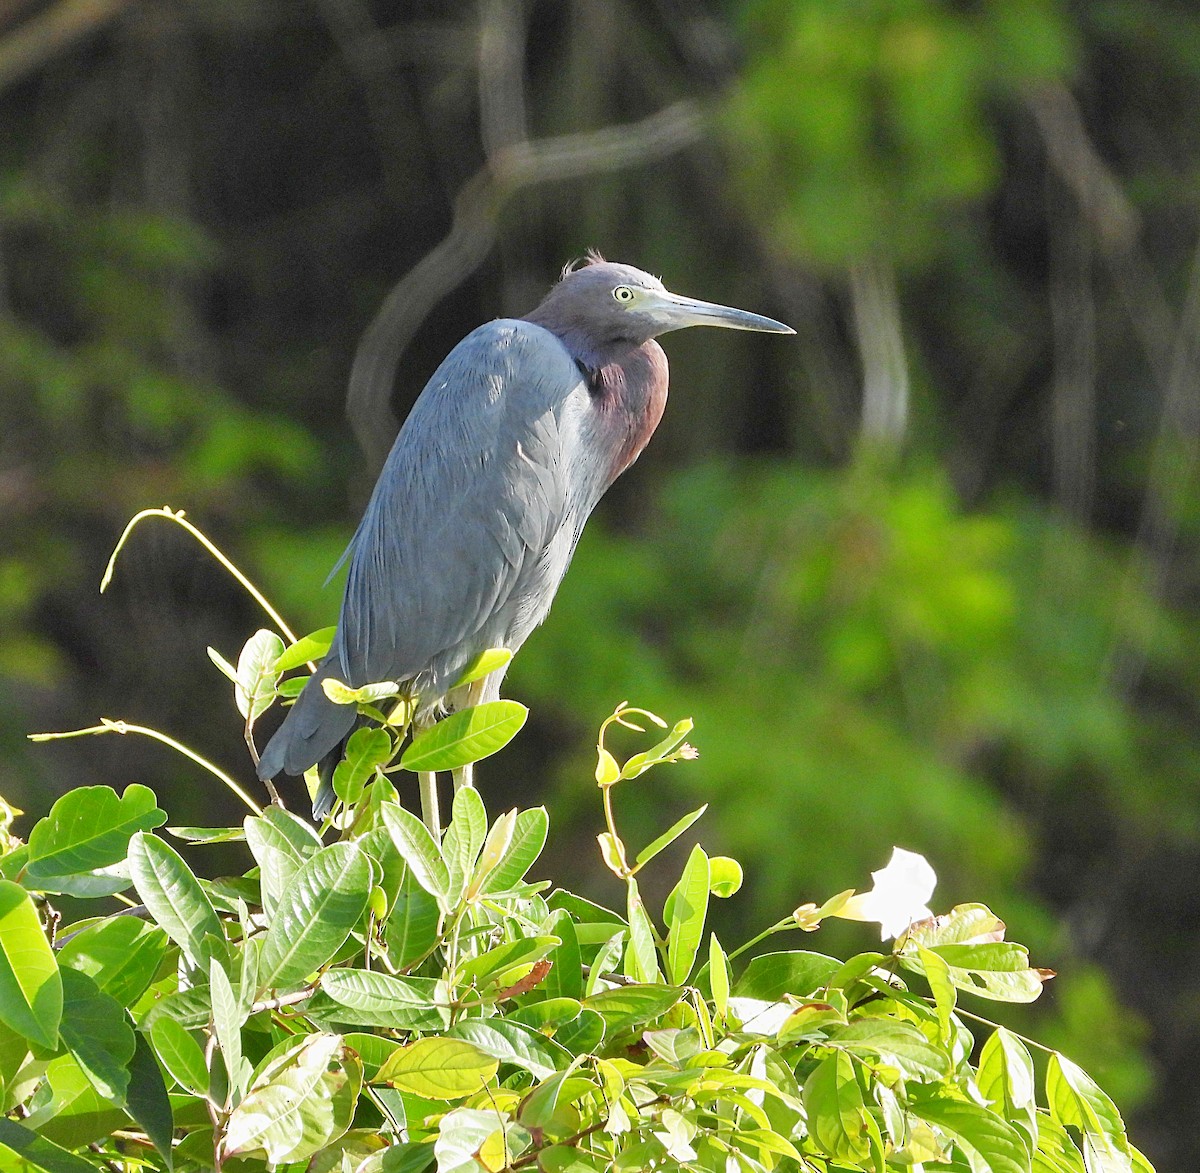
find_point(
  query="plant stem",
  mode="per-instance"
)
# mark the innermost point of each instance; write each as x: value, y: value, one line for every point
x: 123, y: 727
x: 429, y: 804
x: 996, y: 1026
x: 779, y: 927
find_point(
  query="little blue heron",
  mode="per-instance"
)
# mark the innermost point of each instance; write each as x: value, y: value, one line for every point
x: 481, y: 501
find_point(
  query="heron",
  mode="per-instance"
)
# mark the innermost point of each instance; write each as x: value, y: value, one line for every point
x: 476, y: 514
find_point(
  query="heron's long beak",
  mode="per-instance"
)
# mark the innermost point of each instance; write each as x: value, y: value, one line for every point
x: 673, y: 312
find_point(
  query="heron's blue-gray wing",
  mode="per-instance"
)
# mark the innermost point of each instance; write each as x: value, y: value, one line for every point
x: 475, y: 487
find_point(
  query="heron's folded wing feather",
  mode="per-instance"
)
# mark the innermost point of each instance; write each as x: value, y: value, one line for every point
x: 473, y: 490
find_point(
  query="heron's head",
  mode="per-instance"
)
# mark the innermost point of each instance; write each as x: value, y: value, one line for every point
x: 601, y: 307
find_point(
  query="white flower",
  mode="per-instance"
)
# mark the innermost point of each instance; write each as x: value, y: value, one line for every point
x: 900, y: 896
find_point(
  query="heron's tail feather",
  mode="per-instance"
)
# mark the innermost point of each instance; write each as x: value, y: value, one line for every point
x: 312, y: 731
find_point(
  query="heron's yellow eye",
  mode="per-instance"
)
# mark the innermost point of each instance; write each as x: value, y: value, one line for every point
x: 623, y: 293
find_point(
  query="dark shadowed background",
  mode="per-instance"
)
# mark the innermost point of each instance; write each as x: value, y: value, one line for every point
x: 924, y: 575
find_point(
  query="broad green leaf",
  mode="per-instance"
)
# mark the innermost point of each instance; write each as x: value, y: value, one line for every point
x: 487, y: 967
x: 37, y: 1152
x: 1006, y: 1078
x: 990, y: 1144
x: 465, y: 737
x: 89, y: 828
x: 462, y: 1134
x: 628, y: 1006
x: 835, y: 1108
x: 528, y: 839
x: 688, y: 911
x: 420, y: 852
x: 1056, y: 1151
x: 641, y: 957
x: 963, y: 924
x: 173, y: 895
x: 583, y: 1033
x: 292, y: 1109
x: 73, y: 1113
x: 180, y: 1055
x: 94, y: 1030
x: 299, y: 833
x: 257, y: 674
x: 463, y: 839
x: 31, y: 990
x: 771, y: 975
x: 483, y: 665
x: 367, y: 748
x: 120, y: 954
x: 565, y: 979
x: 366, y: 998
x: 278, y: 859
x: 1076, y: 1100
x: 668, y: 836
x: 605, y: 962
x: 146, y: 1098
x: 411, y: 929
x: 895, y: 1042
x: 941, y: 985
x: 325, y: 900
x: 309, y: 647
x: 548, y: 1015
x: 510, y: 1042
x: 227, y: 1019
x: 440, y: 1068
x: 372, y: 1050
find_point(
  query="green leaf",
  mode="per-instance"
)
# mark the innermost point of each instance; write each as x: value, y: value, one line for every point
x: 718, y: 975
x: 836, y: 1112
x: 146, y: 1099
x: 227, y: 1019
x: 94, y: 1030
x: 462, y: 1135
x: 278, y: 859
x: 688, y: 911
x: 1006, y: 1078
x: 31, y: 991
x: 641, y: 957
x: 483, y: 665
x: 73, y: 1113
x: 420, y: 852
x: 89, y: 828
x: 989, y: 1143
x: 941, y: 985
x: 367, y: 998
x: 439, y: 1069
x: 367, y: 694
x: 895, y: 1042
x: 292, y: 1110
x: 173, y: 895
x: 120, y: 954
x: 628, y: 1006
x: 367, y: 748
x: 565, y: 979
x: 641, y: 762
x: 724, y: 876
x: 510, y: 1042
x: 310, y: 647
x: 495, y: 846
x: 1056, y: 1151
x: 487, y: 967
x: 668, y: 836
x: 180, y: 1054
x: 771, y: 975
x: 257, y: 673
x: 465, y: 737
x: 39, y: 1153
x: 583, y: 1034
x: 325, y: 900
x: 1076, y: 1100
x: 208, y: 834
x: 528, y: 839
x: 463, y: 839
x: 411, y: 929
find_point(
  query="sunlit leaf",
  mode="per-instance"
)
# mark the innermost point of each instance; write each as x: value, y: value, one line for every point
x: 90, y: 827
x: 688, y: 911
x: 465, y: 737
x: 31, y: 990
x: 439, y: 1068
x: 173, y: 895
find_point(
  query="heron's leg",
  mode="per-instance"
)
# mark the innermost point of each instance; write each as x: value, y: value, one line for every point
x: 464, y: 776
x: 429, y: 804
